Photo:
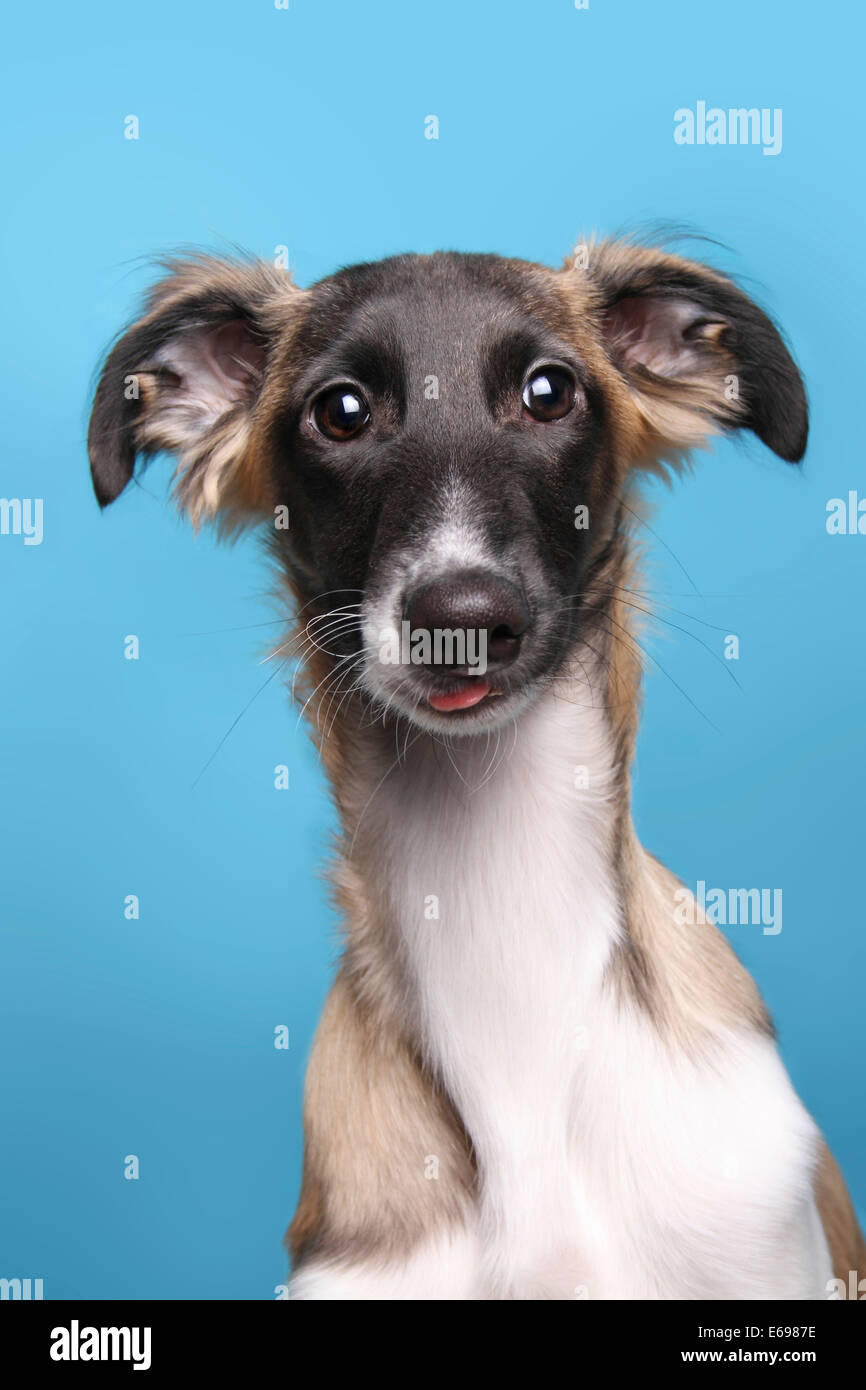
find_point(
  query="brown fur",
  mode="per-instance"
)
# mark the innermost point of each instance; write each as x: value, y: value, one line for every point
x: 374, y: 1122
x: 847, y: 1246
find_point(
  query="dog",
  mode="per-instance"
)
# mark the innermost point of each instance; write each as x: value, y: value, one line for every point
x: 531, y: 1079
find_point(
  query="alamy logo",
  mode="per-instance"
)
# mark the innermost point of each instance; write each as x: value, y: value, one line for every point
x: 757, y: 907
x: 846, y: 516
x: 739, y: 125
x: 75, y: 1343
x: 22, y: 516
x: 854, y: 1289
x: 438, y: 646
x: 21, y: 1288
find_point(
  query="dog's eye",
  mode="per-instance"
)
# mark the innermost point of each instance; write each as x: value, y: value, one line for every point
x: 341, y: 413
x: 549, y: 394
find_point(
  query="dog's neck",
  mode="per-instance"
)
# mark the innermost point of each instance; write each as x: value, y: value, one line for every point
x: 473, y: 839
x: 481, y: 891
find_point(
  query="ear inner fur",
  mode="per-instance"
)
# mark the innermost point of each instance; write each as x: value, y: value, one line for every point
x: 164, y: 389
x: 736, y: 373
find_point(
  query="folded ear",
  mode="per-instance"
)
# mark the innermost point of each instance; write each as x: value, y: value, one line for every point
x: 186, y: 379
x: 697, y: 354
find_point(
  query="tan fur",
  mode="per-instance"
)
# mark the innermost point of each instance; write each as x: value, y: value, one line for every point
x: 688, y: 975
x: 377, y: 1130
x: 847, y: 1246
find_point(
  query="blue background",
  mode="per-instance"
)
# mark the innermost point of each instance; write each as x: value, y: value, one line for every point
x: 306, y: 127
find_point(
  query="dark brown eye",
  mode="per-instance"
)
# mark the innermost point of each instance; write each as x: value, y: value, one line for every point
x: 549, y: 393
x: 341, y: 413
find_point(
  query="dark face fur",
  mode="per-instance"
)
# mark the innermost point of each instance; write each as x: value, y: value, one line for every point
x: 446, y: 495
x: 451, y: 436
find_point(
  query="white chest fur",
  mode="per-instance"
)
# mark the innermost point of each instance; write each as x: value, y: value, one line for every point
x: 610, y: 1164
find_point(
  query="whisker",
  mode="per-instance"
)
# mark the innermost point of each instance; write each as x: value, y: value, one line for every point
x: 661, y: 542
x: 677, y: 627
x: 234, y: 725
x: 330, y: 675
x: 657, y: 663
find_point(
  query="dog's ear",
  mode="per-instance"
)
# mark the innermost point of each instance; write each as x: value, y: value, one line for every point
x: 186, y: 379
x: 697, y: 354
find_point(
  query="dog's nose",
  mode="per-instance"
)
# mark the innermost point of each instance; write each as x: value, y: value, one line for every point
x: 488, y: 605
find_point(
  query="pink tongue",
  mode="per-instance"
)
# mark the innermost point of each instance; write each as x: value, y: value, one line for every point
x: 472, y: 693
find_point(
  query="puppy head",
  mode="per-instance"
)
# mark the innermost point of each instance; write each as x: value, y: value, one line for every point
x: 451, y: 435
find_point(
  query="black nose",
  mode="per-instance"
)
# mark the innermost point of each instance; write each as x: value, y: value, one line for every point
x: 488, y: 605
